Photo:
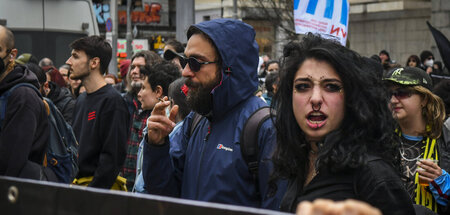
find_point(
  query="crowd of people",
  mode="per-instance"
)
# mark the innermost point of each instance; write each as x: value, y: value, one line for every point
x: 346, y: 133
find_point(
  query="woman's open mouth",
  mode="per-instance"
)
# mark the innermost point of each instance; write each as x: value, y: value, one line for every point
x: 316, y: 119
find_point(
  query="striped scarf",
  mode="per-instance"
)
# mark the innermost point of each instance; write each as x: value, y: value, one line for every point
x: 423, y: 194
x: 429, y: 150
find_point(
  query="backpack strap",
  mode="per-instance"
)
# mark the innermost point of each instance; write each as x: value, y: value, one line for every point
x: 4, y: 99
x: 249, y: 139
x: 195, y: 120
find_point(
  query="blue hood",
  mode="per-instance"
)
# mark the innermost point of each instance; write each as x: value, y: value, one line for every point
x: 238, y: 49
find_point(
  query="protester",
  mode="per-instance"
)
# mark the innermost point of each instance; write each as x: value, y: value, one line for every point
x: 413, y: 61
x: 26, y: 58
x: 124, y: 67
x: 101, y: 119
x: 207, y: 165
x: 155, y: 86
x: 443, y: 91
x: 21, y: 154
x: 44, y: 62
x: 272, y: 80
x: 54, y: 76
x: 271, y: 66
x: 427, y: 60
x: 138, y: 115
x: 420, y: 115
x: 64, y: 71
x: 60, y: 96
x: 333, y: 125
x: 173, y: 46
x: 74, y: 87
x: 110, y: 79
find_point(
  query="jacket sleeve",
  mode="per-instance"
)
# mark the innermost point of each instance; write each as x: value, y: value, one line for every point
x: 271, y: 193
x: 114, y: 133
x: 24, y: 114
x: 158, y: 171
x: 67, y: 110
x: 163, y: 165
x: 382, y: 188
x: 441, y: 188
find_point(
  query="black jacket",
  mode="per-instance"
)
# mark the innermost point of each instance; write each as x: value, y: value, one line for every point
x: 375, y: 183
x: 25, y: 129
x: 63, y: 99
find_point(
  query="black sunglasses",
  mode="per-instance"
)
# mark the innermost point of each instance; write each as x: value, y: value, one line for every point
x: 401, y: 93
x: 170, y: 55
x: 194, y: 65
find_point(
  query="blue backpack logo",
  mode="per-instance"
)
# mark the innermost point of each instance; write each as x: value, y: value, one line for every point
x: 62, y: 148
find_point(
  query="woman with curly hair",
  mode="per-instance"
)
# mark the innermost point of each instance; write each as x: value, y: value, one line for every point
x: 334, y: 130
x: 424, y: 154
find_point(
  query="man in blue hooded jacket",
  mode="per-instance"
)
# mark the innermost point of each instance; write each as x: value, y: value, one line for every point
x: 221, y: 71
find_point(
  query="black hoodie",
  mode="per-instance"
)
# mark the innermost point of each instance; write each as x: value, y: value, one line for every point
x: 25, y: 128
x: 63, y: 99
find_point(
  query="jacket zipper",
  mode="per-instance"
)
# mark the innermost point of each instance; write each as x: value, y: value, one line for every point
x: 205, y: 140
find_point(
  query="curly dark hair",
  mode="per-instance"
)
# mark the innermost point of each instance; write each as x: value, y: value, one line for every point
x: 162, y: 74
x: 367, y: 127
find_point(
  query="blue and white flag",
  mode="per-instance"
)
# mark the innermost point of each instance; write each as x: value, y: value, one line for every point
x: 326, y: 17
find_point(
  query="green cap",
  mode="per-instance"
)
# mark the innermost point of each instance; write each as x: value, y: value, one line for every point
x: 23, y: 58
x: 409, y: 76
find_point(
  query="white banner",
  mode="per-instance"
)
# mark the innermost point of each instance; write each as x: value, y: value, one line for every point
x: 326, y: 17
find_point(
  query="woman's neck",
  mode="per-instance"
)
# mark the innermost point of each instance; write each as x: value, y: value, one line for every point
x: 413, y: 127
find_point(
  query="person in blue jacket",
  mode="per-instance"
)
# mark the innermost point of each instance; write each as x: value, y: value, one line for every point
x: 221, y: 71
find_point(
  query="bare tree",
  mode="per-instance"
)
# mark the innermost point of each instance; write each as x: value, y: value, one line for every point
x: 279, y: 12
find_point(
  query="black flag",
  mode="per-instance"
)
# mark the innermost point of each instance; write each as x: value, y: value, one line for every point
x: 443, y: 45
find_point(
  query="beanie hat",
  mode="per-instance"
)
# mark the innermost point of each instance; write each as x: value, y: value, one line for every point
x: 124, y: 64
x: 409, y: 76
x: 386, y: 53
x: 24, y: 58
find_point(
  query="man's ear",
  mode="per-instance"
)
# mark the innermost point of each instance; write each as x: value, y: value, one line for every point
x: 13, y: 54
x: 45, y: 88
x: 94, y: 63
x: 159, y: 91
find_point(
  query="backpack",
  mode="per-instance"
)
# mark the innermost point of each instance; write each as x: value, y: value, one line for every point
x: 249, y: 137
x: 62, y: 149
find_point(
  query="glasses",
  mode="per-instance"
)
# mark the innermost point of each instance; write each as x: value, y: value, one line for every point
x: 401, y: 93
x: 194, y: 65
x: 170, y: 55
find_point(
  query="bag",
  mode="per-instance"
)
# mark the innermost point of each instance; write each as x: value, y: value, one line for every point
x: 119, y: 184
x: 62, y: 149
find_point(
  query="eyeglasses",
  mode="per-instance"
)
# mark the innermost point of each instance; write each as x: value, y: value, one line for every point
x: 170, y: 55
x: 194, y: 65
x: 401, y: 93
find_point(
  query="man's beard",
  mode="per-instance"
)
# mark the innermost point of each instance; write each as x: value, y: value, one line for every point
x: 199, y: 97
x: 136, y: 86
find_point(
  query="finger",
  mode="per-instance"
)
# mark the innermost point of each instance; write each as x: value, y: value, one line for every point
x: 358, y: 207
x: 160, y: 122
x: 429, y: 162
x: 425, y: 179
x: 173, y: 113
x: 324, y: 206
x: 160, y: 107
x: 304, y: 208
x: 430, y: 172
